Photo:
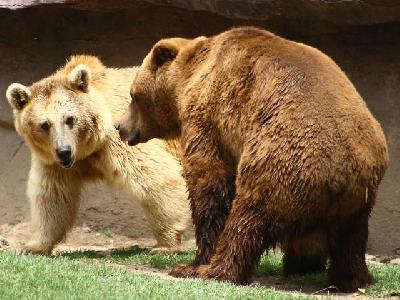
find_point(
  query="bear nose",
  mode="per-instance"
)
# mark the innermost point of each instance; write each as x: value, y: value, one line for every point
x: 117, y: 126
x: 64, y: 153
x: 123, y: 134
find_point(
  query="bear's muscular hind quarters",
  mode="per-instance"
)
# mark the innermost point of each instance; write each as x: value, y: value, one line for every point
x: 67, y: 122
x: 278, y: 148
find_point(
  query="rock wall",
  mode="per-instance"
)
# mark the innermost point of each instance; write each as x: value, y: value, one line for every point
x: 34, y: 41
x: 342, y: 13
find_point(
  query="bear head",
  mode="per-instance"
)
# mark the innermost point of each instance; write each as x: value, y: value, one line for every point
x: 63, y: 118
x: 154, y: 108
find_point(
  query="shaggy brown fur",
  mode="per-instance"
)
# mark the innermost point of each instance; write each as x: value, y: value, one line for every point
x: 278, y: 148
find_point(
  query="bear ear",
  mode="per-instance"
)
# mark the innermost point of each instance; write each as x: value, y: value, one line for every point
x: 163, y: 53
x: 80, y: 77
x: 18, y: 95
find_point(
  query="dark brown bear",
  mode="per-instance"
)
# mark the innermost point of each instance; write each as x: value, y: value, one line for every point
x: 278, y: 148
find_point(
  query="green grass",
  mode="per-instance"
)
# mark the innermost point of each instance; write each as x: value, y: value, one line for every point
x: 85, y: 275
x: 108, y: 232
x: 387, y: 281
x: 33, y: 277
x: 387, y: 276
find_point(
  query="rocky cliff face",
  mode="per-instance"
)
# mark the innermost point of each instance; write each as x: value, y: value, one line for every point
x: 337, y: 12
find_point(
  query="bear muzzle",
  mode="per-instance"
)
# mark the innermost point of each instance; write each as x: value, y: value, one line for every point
x: 135, y: 139
x: 64, y: 154
x: 125, y: 135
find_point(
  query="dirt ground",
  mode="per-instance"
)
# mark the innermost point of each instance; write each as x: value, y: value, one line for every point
x: 83, y: 238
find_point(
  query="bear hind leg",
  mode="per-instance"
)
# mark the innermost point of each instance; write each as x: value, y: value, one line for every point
x: 211, y: 185
x: 168, y: 242
x: 348, y: 269
x: 166, y: 230
x: 305, y: 254
x: 245, y: 237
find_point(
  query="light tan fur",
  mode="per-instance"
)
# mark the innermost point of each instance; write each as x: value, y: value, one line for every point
x: 95, y: 97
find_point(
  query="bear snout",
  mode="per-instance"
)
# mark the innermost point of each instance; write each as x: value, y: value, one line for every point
x: 123, y: 132
x: 135, y: 139
x: 64, y: 153
x: 132, y: 137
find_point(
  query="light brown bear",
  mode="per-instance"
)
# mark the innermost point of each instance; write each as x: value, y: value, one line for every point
x: 278, y: 148
x: 67, y: 121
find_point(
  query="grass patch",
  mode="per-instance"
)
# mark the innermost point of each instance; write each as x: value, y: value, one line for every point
x: 387, y: 281
x: 387, y: 276
x: 108, y: 232
x: 270, y: 265
x: 33, y: 277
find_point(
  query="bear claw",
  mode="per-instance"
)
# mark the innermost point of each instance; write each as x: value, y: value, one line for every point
x: 184, y: 271
x: 32, y: 249
x: 165, y: 249
x: 348, y: 285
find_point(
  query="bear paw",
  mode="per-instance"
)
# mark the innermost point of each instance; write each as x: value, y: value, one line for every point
x: 165, y: 249
x: 206, y: 272
x: 184, y: 271
x: 348, y: 285
x: 33, y: 248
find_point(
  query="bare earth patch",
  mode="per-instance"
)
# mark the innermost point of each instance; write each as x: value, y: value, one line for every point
x: 83, y: 238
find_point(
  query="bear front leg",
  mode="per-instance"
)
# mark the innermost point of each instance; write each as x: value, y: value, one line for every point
x: 348, y: 269
x: 243, y: 240
x: 54, y: 200
x: 253, y: 225
x: 211, y: 187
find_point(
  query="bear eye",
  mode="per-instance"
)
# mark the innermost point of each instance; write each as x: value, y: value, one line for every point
x: 45, y: 126
x: 70, y: 121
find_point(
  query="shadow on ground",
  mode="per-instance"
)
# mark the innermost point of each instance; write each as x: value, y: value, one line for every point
x: 268, y: 273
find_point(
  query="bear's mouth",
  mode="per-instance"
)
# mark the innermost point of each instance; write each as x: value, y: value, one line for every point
x: 135, y: 139
x: 67, y: 163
